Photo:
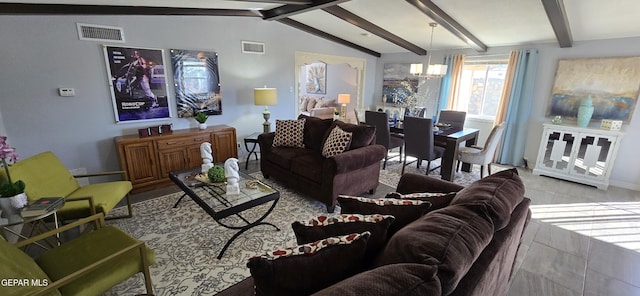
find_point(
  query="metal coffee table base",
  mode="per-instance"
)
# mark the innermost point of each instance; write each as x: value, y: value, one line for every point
x: 242, y: 228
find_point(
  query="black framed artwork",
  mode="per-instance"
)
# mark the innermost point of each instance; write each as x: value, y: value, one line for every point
x: 197, y: 82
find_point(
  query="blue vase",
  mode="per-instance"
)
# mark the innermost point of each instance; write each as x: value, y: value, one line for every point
x: 585, y: 111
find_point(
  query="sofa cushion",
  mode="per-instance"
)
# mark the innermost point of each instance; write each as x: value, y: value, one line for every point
x: 289, y: 133
x: 314, y: 131
x: 405, y: 211
x: 337, y: 142
x: 308, y: 164
x: 307, y: 268
x: 438, y: 200
x: 363, y: 135
x: 311, y: 104
x: 499, y: 193
x: 323, y: 227
x: 283, y: 156
x: 454, y: 236
x: 394, y: 279
x: 304, y: 100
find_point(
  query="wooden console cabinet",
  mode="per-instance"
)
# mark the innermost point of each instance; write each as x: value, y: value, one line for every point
x: 149, y: 160
x: 583, y: 155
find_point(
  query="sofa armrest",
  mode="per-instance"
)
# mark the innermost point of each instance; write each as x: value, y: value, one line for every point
x: 265, y: 141
x: 322, y: 112
x: 355, y: 159
x: 412, y: 183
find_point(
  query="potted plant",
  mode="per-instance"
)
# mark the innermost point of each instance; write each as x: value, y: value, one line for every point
x: 336, y: 114
x: 201, y: 118
x: 12, y: 196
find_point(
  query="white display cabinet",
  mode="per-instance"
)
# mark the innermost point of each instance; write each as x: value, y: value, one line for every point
x: 582, y: 155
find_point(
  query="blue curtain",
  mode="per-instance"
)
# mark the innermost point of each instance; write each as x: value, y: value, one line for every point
x: 445, y: 86
x: 518, y: 110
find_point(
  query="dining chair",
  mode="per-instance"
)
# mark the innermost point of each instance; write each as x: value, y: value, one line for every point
x: 383, y: 135
x: 418, y: 142
x: 482, y: 155
x: 454, y: 118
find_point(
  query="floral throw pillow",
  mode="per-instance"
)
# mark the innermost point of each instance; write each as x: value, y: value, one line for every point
x: 404, y: 210
x: 289, y: 133
x: 438, y: 200
x: 305, y: 269
x: 322, y: 227
x: 337, y: 142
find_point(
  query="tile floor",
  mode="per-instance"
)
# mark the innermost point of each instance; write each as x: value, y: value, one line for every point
x: 580, y: 241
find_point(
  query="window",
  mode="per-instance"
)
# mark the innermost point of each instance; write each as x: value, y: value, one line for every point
x: 480, y: 87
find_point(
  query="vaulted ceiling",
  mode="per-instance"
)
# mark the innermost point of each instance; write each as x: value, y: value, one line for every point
x: 391, y: 26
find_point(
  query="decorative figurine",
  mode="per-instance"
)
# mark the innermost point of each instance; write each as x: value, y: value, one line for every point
x: 207, y: 158
x: 231, y: 172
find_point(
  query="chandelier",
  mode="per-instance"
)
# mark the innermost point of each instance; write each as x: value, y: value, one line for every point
x: 433, y: 71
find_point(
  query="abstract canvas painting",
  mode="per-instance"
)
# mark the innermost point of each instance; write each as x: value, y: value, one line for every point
x: 612, y: 83
x: 397, y: 84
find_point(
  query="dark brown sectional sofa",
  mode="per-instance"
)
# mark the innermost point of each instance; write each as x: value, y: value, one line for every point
x: 354, y: 171
x: 466, y: 247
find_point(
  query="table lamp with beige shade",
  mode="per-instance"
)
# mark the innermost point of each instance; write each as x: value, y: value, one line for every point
x: 344, y: 99
x: 267, y: 97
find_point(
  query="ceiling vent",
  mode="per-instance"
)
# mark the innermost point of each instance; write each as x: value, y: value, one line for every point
x: 100, y: 33
x: 252, y: 47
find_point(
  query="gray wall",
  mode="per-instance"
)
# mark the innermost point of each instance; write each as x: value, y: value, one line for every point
x: 39, y: 54
x: 626, y: 171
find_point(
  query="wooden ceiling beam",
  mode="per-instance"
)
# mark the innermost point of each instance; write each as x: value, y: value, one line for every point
x: 284, y: 11
x: 68, y: 9
x: 355, y: 20
x: 314, y: 31
x: 558, y: 17
x: 439, y: 16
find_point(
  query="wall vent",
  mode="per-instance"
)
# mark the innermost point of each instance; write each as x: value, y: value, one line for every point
x: 253, y: 47
x: 100, y: 33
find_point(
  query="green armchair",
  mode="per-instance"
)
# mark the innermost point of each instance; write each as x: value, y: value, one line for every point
x: 90, y: 264
x: 46, y: 176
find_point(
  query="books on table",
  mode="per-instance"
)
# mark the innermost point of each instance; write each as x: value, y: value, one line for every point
x: 42, y: 206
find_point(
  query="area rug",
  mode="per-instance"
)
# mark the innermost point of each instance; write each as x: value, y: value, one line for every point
x: 186, y: 241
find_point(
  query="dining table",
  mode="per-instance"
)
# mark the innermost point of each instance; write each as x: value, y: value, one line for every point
x: 453, y: 137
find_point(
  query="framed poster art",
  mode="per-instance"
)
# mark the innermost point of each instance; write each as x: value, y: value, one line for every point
x: 316, y: 78
x: 197, y: 82
x: 138, y: 83
x: 398, y: 84
x: 612, y: 83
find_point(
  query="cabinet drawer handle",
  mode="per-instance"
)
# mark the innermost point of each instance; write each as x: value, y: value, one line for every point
x: 171, y: 143
x: 198, y: 139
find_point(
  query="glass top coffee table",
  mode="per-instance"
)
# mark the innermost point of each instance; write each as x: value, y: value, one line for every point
x: 212, y: 198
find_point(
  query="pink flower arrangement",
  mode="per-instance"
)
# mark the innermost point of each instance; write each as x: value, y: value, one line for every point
x: 9, y: 156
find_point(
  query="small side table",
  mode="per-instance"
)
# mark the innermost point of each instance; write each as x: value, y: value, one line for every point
x: 253, y: 139
x: 35, y: 222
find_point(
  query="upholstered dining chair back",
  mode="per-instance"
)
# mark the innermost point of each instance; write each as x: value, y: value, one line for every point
x: 483, y: 155
x: 383, y: 135
x: 418, y: 141
x: 454, y: 118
